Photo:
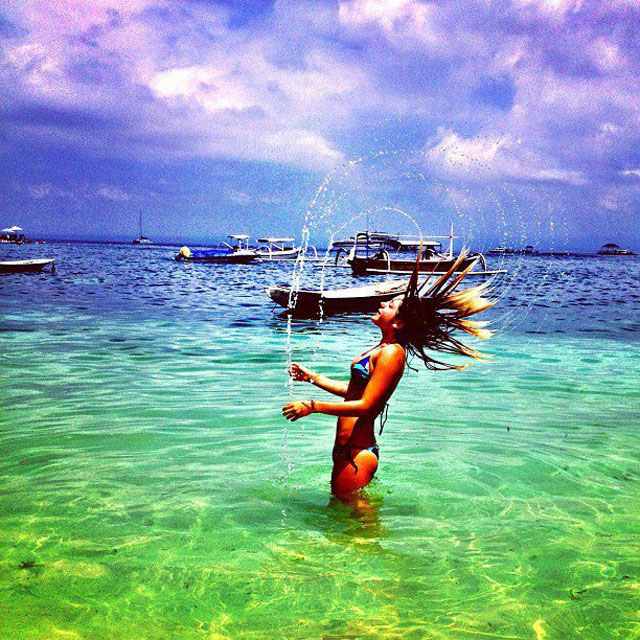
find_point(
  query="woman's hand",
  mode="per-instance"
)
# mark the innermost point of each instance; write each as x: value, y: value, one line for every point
x: 298, y: 409
x: 300, y: 373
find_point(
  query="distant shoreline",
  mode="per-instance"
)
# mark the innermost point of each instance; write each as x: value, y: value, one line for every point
x: 196, y: 243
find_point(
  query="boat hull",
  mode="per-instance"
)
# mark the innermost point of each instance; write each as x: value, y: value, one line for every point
x: 278, y: 255
x: 361, y: 265
x: 26, y: 266
x: 213, y: 258
x: 330, y: 302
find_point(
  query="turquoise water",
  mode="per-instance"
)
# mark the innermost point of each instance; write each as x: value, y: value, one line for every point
x: 151, y: 489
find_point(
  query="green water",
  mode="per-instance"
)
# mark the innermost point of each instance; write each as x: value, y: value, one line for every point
x: 150, y: 489
x: 148, y: 476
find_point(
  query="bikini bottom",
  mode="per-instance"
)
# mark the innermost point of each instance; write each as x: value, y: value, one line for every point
x: 375, y: 449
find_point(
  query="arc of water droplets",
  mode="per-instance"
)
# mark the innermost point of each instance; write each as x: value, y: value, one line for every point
x: 314, y: 218
x: 511, y: 318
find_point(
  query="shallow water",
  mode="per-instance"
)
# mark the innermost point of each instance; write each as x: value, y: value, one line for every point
x: 151, y: 489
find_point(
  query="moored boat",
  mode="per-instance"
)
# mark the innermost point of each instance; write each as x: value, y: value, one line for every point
x: 12, y: 235
x: 141, y: 239
x: 271, y: 248
x: 26, y: 266
x: 314, y: 302
x: 237, y: 251
x: 372, y: 254
x: 502, y: 250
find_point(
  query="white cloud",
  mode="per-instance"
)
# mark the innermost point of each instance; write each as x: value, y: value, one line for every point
x: 499, y: 157
x: 39, y: 191
x: 113, y: 193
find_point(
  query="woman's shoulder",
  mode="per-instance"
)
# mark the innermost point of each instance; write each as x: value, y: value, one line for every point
x: 393, y: 350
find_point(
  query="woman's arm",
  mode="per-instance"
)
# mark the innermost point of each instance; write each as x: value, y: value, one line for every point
x: 300, y: 373
x: 386, y: 375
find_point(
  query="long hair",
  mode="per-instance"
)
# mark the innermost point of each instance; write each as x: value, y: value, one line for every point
x: 431, y: 317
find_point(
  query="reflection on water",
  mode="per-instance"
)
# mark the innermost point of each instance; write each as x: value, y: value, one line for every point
x: 360, y: 513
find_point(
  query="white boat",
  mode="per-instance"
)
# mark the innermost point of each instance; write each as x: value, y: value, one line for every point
x: 236, y: 251
x: 502, y: 250
x: 12, y: 235
x: 141, y: 239
x: 271, y: 248
x: 387, y: 253
x: 529, y: 250
x: 611, y: 249
x: 26, y: 266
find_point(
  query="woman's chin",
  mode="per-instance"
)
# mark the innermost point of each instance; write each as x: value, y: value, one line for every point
x: 375, y: 318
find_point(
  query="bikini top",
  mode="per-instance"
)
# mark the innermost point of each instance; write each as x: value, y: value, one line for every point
x: 362, y: 369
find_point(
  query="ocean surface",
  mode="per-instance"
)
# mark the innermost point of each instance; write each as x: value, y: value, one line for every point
x: 149, y: 487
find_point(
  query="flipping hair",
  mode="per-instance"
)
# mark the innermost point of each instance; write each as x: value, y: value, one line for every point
x: 429, y: 319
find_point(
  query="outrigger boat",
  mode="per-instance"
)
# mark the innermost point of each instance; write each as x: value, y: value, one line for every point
x: 307, y: 303
x: 26, y: 266
x: 277, y: 249
x: 393, y: 254
x: 236, y: 251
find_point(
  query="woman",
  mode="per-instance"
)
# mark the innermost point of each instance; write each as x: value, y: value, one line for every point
x: 410, y: 325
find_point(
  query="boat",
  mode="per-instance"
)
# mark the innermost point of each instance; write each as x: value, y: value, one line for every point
x: 502, y: 250
x: 236, y: 251
x: 12, y: 235
x: 388, y: 253
x: 26, y: 266
x: 611, y: 249
x: 307, y: 303
x: 271, y: 248
x: 141, y: 239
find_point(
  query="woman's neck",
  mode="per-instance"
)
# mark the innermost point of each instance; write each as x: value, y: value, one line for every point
x: 388, y: 336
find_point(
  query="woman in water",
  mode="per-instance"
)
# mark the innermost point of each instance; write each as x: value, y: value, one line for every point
x: 410, y: 325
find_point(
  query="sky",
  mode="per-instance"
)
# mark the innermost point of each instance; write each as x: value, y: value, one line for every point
x: 519, y: 120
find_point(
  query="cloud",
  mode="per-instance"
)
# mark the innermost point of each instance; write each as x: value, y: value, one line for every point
x: 82, y: 190
x: 113, y: 193
x: 245, y: 199
x: 540, y: 90
x: 39, y: 191
x: 493, y: 157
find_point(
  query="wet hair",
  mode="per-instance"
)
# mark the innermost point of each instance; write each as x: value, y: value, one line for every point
x: 430, y: 318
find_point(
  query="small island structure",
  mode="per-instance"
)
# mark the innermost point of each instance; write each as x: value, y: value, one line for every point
x: 612, y: 249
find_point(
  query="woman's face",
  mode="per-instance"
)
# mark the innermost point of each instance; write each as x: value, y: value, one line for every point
x: 387, y: 312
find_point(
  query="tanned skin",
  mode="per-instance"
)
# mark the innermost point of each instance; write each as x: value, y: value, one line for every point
x: 354, y: 465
